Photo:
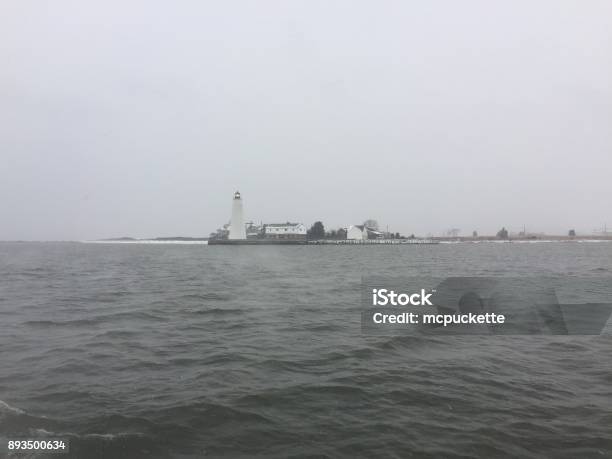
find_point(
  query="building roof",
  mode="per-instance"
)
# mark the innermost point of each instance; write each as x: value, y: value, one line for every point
x: 366, y: 228
x: 282, y: 224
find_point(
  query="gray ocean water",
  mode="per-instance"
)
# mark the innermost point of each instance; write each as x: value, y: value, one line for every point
x: 134, y: 350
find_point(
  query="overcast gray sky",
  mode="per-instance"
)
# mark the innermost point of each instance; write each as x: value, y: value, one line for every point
x: 140, y: 118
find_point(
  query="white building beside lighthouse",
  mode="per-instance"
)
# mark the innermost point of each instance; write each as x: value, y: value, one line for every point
x: 237, y: 229
x: 284, y: 230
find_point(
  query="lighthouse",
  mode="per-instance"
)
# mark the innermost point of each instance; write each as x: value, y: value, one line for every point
x: 237, y: 230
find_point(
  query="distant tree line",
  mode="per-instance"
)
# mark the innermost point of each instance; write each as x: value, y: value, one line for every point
x: 317, y: 231
x: 502, y: 233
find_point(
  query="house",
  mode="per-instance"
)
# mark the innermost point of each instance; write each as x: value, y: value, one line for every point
x: 284, y: 231
x: 362, y: 232
x: 356, y: 232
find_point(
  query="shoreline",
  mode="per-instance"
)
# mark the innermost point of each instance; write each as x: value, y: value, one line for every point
x: 335, y: 242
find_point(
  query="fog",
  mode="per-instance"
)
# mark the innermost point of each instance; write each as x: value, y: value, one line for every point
x: 142, y: 118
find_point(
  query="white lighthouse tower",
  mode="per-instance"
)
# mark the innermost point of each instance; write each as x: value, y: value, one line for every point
x: 237, y: 230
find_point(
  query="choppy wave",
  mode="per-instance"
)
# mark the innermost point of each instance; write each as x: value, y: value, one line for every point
x: 5, y: 409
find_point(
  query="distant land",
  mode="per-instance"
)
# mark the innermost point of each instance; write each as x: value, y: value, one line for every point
x: 171, y: 238
x: 539, y: 237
